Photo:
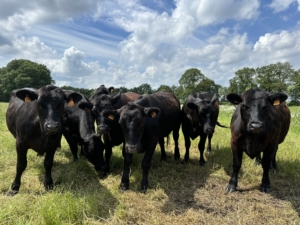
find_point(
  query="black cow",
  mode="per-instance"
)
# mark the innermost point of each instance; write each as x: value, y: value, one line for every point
x: 79, y: 129
x: 200, y: 114
x: 112, y: 132
x: 145, y: 122
x: 34, y: 117
x: 260, y: 122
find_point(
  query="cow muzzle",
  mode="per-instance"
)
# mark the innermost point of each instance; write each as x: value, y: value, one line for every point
x: 52, y: 128
x: 103, y: 129
x: 131, y: 149
x: 209, y: 130
x: 256, y: 127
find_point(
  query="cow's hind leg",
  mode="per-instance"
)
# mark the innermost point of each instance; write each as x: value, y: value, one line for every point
x: 201, y: 147
x: 21, y: 166
x: 175, y: 138
x: 163, y: 155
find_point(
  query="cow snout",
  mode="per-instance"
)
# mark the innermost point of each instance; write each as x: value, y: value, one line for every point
x: 51, y: 128
x: 102, y: 129
x: 256, y: 127
x: 131, y: 149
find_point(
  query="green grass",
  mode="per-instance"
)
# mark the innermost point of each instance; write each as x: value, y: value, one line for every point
x: 179, y: 193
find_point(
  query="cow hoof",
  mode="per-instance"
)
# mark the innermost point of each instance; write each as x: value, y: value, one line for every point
x: 144, y: 189
x: 124, y: 187
x: 208, y: 151
x: 163, y: 159
x: 103, y: 175
x: 177, y: 157
x: 12, y: 192
x: 48, y: 187
x: 266, y: 189
x: 202, y: 163
x: 230, y: 189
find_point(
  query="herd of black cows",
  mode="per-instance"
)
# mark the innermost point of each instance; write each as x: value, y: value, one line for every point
x: 38, y: 119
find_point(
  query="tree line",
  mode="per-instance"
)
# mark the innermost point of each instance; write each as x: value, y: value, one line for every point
x: 279, y: 77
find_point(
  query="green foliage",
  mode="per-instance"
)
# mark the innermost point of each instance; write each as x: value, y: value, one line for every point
x: 165, y: 87
x: 20, y: 73
x: 84, y: 91
x: 143, y: 89
x: 242, y: 81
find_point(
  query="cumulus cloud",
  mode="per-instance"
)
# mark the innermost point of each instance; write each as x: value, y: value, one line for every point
x: 281, y: 5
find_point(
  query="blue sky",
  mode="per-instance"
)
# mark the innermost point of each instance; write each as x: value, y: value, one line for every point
x: 86, y: 43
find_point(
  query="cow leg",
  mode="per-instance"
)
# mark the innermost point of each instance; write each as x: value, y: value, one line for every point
x: 273, y: 166
x: 257, y: 160
x: 176, y: 148
x: 163, y: 155
x: 146, y: 166
x: 201, y: 147
x: 73, y: 147
x: 21, y: 166
x: 236, y: 166
x: 126, y: 171
x: 266, y: 163
x: 187, y: 148
x: 48, y: 163
x: 209, y: 143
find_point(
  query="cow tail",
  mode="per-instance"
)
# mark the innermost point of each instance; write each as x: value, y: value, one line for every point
x: 220, y: 125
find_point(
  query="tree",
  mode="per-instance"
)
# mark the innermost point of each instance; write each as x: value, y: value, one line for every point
x: 164, y: 87
x: 243, y: 80
x: 294, y: 88
x: 143, y: 89
x: 20, y: 73
x: 274, y: 77
x: 84, y: 91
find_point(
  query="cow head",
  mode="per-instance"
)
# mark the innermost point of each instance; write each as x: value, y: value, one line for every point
x: 92, y: 146
x: 135, y: 120
x: 100, y: 103
x: 254, y: 106
x: 49, y: 103
x: 202, y: 112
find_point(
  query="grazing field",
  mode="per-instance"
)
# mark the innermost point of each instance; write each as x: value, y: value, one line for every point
x: 179, y: 193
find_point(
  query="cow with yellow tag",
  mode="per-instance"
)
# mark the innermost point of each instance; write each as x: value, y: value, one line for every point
x: 144, y: 123
x: 259, y: 124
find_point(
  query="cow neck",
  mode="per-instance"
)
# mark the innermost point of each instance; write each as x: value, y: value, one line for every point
x: 86, y: 128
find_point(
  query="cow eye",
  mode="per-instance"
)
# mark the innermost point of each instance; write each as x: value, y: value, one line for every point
x: 245, y: 107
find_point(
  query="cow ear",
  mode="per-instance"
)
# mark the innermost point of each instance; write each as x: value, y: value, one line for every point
x: 214, y: 99
x: 26, y: 95
x: 73, y: 98
x: 277, y: 98
x: 111, y: 114
x: 152, y: 111
x: 234, y: 98
x: 116, y: 97
x: 111, y: 89
x: 87, y: 106
x: 192, y: 106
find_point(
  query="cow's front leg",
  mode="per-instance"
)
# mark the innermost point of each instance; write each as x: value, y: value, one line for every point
x: 108, y: 154
x: 146, y: 166
x: 266, y: 163
x: 48, y: 163
x: 208, y: 149
x: 126, y: 171
x: 236, y: 166
x: 21, y: 166
x: 201, y: 147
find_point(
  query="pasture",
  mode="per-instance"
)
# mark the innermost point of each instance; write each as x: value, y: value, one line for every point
x: 179, y: 193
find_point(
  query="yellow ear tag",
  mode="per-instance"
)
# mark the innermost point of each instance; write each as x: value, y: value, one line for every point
x: 153, y: 114
x: 71, y: 102
x: 87, y: 110
x: 27, y: 99
x: 111, y: 117
x: 276, y: 102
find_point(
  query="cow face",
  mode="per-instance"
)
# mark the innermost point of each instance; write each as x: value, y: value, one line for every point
x: 202, y: 113
x: 255, y: 105
x: 135, y: 120
x: 49, y: 103
x: 91, y: 149
x: 103, y: 102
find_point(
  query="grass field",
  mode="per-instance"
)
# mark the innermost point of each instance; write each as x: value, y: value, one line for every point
x: 179, y: 193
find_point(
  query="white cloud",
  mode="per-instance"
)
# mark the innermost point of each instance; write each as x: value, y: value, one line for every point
x: 281, y: 5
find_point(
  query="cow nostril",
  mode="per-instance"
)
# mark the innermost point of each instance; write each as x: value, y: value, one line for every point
x: 256, y: 126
